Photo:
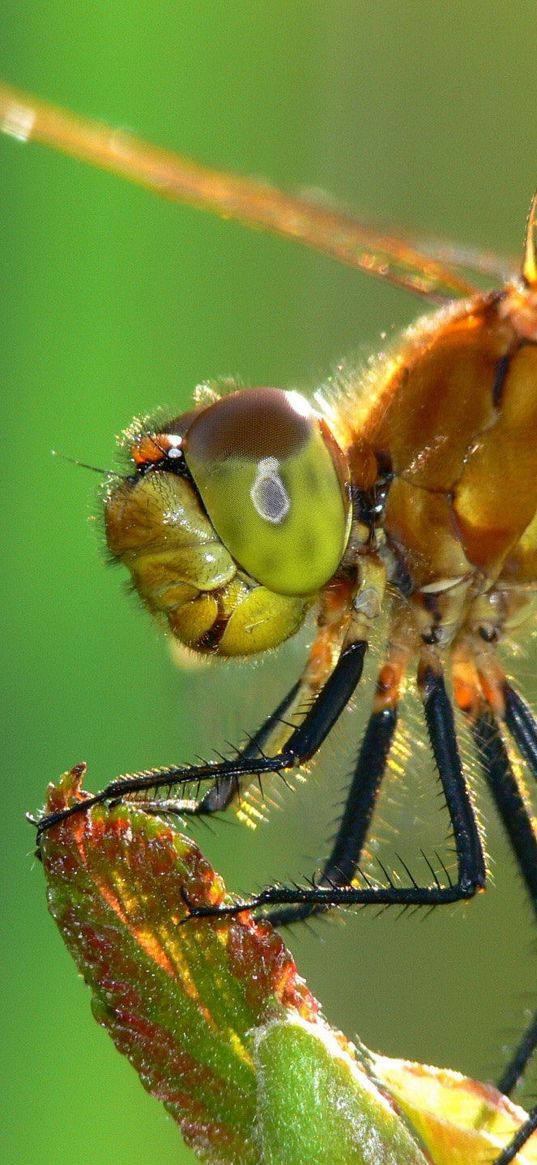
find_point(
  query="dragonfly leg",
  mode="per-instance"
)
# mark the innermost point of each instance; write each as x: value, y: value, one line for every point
x: 301, y: 744
x: 522, y: 726
x: 519, y: 1140
x: 487, y: 699
x: 517, y: 821
x: 471, y: 863
x: 346, y: 853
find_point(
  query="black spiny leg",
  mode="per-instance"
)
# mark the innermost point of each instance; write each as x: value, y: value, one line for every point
x: 471, y: 862
x: 519, y: 1140
x: 302, y: 743
x: 442, y: 734
x: 225, y: 789
x: 522, y: 726
x: 340, y: 868
x: 508, y: 799
x: 518, y: 825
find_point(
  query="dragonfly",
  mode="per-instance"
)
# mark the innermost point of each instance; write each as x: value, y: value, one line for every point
x: 408, y: 494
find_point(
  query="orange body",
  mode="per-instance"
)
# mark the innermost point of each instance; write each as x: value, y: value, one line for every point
x: 452, y: 430
x: 456, y: 422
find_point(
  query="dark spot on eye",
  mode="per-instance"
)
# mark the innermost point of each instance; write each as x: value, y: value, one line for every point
x: 311, y: 480
x: 268, y: 566
x: 308, y: 546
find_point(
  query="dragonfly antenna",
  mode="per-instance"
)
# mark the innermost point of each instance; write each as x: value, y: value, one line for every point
x: 84, y: 464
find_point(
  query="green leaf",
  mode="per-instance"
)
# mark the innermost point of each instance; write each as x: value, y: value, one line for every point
x: 458, y: 1119
x: 214, y: 1017
x: 316, y: 1104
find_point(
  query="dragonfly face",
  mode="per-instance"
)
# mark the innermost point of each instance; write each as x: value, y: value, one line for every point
x: 217, y: 525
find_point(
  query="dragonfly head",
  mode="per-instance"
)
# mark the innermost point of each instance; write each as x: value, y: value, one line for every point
x: 234, y: 518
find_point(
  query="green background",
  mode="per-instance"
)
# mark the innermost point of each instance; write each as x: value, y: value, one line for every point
x: 113, y: 303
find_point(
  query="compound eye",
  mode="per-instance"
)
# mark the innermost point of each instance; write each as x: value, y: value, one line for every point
x: 274, y: 484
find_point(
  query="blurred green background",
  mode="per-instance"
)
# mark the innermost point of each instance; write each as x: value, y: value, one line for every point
x: 113, y: 303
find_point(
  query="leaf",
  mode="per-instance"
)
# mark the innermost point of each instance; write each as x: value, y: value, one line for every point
x: 214, y: 1017
x: 316, y: 1104
x: 459, y: 1119
x: 178, y: 1000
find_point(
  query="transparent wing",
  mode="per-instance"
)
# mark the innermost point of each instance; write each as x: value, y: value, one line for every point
x: 424, y: 270
x: 470, y: 259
